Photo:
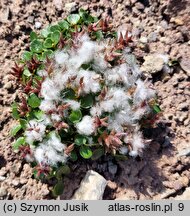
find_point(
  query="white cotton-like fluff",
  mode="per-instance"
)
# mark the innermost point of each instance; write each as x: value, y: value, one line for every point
x: 74, y: 105
x: 50, y: 152
x: 96, y: 110
x: 116, y: 98
x: 137, y: 144
x: 29, y: 158
x: 119, y: 119
x: 90, y: 81
x: 138, y: 114
x: 61, y: 57
x: 42, y: 73
x: 124, y: 150
x: 55, y: 117
x: 45, y: 119
x: 122, y: 30
x: 61, y: 78
x: 118, y: 74
x: 84, y: 54
x: 49, y: 90
x: 55, y: 142
x: 46, y: 154
x: 99, y: 64
x: 35, y: 131
x: 142, y: 93
x: 47, y: 105
x: 86, y: 126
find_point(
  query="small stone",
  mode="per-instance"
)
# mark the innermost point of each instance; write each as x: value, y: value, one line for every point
x: 143, y: 40
x: 166, y: 142
x: 30, y: 19
x: 132, y: 1
x: 8, y: 85
x: 3, y: 192
x: 15, y: 182
x: 183, y: 106
x: 152, y: 37
x: 184, y: 152
x: 4, y: 15
x: 177, y: 185
x: 91, y: 188
x: 139, y: 6
x: 186, y: 122
x: 38, y: 25
x: 185, y: 195
x: 2, y: 178
x: 164, y: 24
x: 177, y: 21
x: 165, y: 194
x: 185, y: 65
x: 154, y: 63
x: 69, y: 7
x: 23, y: 180
x: 3, y: 171
x: 185, y: 181
x: 15, y: 168
x: 112, y: 168
x: 58, y: 4
x: 183, y: 116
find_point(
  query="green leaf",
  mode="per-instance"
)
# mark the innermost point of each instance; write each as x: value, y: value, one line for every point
x: 80, y: 140
x: 55, y: 28
x: 47, y: 53
x: 33, y: 36
x: 36, y: 46
x: 68, y: 94
x: 173, y: 62
x: 20, y: 141
x: 55, y: 36
x: 15, y: 129
x: 86, y: 66
x: 85, y: 152
x: 26, y: 56
x: 38, y: 114
x: 73, y: 156
x: 63, y: 170
x: 119, y: 157
x: 58, y: 188
x: 23, y: 123
x: 38, y: 56
x: 15, y: 112
x: 75, y: 116
x: 87, y: 101
x: 99, y: 35
x: 64, y: 25
x: 45, y: 32
x: 73, y: 19
x: 34, y: 101
x: 26, y: 72
x: 97, y: 153
x: 48, y: 43
x: 156, y: 109
x: 87, y: 18
x: 101, y: 130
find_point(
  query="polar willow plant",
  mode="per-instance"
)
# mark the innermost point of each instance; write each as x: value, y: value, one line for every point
x: 82, y: 96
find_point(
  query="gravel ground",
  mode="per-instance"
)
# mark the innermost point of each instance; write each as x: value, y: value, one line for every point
x: 161, y: 28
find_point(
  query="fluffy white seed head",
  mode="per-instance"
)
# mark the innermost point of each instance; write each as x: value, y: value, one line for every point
x: 86, y: 126
x: 35, y: 131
